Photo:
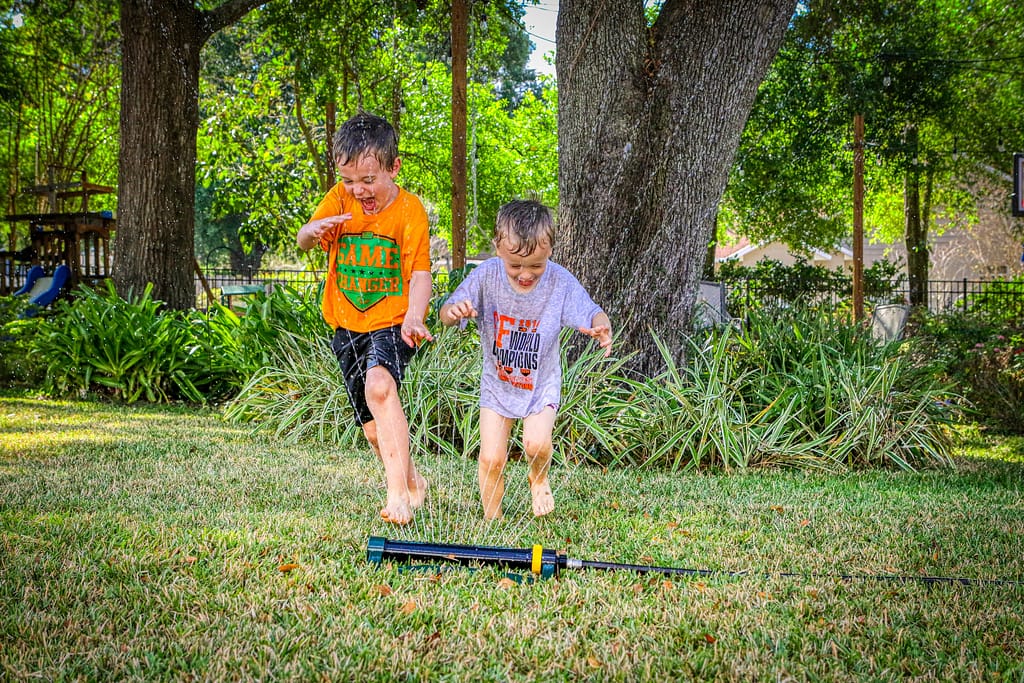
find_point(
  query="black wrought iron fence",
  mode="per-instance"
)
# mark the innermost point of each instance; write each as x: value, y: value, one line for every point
x: 223, y: 283
x: 1005, y: 297
x: 1002, y: 297
x: 997, y: 296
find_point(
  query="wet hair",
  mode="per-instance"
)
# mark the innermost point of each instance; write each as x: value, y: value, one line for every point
x: 524, y: 224
x: 366, y: 134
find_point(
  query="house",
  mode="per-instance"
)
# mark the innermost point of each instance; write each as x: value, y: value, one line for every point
x: 986, y: 251
x: 748, y: 254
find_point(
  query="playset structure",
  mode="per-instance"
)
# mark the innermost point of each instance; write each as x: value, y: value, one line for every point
x: 77, y: 240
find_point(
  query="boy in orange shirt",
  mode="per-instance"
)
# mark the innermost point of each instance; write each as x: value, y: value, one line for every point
x: 376, y: 295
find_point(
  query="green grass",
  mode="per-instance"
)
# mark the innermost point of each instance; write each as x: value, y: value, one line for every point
x: 147, y: 543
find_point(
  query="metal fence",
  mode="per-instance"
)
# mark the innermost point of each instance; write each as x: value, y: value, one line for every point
x: 224, y: 283
x: 942, y: 296
x: 1005, y: 297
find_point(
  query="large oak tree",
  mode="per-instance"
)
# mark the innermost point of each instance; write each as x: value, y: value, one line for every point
x: 161, y: 42
x: 651, y: 110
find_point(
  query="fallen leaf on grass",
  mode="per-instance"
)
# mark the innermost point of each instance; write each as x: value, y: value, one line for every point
x: 191, y: 559
x: 594, y: 662
x: 804, y: 522
x: 710, y: 639
x: 777, y: 508
x: 506, y: 583
x: 409, y: 607
x: 287, y: 567
x: 383, y: 590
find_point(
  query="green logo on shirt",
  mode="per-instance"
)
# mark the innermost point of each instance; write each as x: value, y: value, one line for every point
x: 369, y: 268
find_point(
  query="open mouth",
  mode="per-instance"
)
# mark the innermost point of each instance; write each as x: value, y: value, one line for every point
x: 369, y: 205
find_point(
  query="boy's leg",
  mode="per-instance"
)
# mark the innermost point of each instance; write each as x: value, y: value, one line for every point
x: 494, y: 431
x: 537, y: 429
x: 406, y: 489
x: 416, y: 483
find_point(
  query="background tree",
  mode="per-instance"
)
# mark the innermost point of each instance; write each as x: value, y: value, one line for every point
x: 933, y: 79
x: 275, y: 83
x: 59, y: 68
x: 161, y: 43
x: 650, y: 116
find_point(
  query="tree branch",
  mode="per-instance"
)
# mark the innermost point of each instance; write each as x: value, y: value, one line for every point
x: 211, y: 21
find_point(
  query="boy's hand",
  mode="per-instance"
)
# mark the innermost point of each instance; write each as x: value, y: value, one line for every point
x: 414, y: 331
x: 457, y: 311
x: 311, y: 233
x: 603, y: 335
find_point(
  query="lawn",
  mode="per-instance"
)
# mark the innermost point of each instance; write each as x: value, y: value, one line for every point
x: 163, y: 543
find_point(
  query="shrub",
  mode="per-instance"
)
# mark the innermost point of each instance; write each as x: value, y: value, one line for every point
x: 127, y: 348
x: 995, y: 388
x: 133, y: 348
x: 1000, y: 301
x: 770, y: 284
x: 982, y: 355
x: 18, y: 366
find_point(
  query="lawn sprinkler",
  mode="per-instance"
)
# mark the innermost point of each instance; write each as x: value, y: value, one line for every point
x: 545, y: 563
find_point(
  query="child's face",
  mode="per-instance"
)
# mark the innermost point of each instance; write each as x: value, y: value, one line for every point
x: 524, y: 271
x: 372, y: 186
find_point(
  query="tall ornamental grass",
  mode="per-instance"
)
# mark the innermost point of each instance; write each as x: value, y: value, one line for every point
x: 797, y: 391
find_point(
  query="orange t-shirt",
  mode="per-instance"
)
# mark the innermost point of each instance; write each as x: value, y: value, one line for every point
x: 371, y: 260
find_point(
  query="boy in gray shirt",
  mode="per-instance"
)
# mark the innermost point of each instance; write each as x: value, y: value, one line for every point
x: 522, y: 301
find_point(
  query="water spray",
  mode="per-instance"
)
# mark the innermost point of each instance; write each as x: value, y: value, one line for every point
x: 544, y: 562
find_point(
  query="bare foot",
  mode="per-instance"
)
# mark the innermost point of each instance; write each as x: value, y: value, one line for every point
x: 397, y: 511
x: 418, y: 493
x: 543, y: 499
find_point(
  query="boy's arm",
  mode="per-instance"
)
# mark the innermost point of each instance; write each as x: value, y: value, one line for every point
x: 311, y: 233
x: 453, y: 313
x: 601, y: 330
x: 414, y: 330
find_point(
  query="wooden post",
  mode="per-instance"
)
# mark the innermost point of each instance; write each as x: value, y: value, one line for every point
x: 858, y: 217
x: 331, y: 125
x: 202, y: 279
x: 460, y: 34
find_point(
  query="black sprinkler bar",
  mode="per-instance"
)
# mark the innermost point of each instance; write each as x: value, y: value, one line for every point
x: 545, y: 562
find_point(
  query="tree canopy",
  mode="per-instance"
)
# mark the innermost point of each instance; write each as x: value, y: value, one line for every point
x: 271, y: 104
x: 59, y: 87
x: 231, y: 110
x: 950, y: 70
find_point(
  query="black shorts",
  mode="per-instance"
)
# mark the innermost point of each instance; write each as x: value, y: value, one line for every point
x: 357, y: 352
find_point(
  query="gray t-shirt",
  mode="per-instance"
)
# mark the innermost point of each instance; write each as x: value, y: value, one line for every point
x: 522, y: 371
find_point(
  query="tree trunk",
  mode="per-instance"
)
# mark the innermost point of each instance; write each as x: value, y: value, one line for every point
x: 649, y: 120
x: 161, y: 42
x: 915, y: 233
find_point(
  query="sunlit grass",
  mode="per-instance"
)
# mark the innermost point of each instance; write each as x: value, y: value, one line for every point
x: 148, y: 543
